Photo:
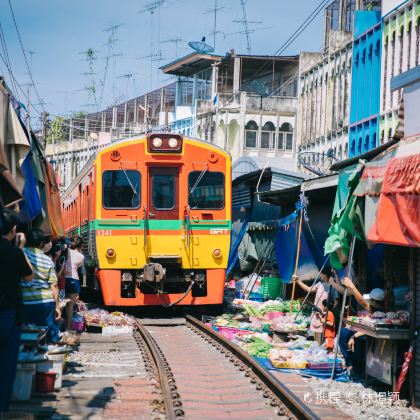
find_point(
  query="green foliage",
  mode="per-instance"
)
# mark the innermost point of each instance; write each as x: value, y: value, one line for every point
x: 56, y: 131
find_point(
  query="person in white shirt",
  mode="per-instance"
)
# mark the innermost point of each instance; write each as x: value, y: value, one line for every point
x: 75, y: 260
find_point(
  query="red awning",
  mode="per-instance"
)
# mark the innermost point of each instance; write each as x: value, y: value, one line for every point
x: 397, y: 218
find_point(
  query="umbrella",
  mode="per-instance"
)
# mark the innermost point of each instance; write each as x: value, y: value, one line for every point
x: 408, y: 356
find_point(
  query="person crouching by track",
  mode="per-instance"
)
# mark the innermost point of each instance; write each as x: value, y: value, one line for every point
x: 40, y: 296
x: 14, y: 266
x: 75, y: 261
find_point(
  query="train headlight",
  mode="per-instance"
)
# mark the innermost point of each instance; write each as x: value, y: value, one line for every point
x: 110, y: 253
x: 217, y: 253
x: 157, y: 142
x: 173, y: 142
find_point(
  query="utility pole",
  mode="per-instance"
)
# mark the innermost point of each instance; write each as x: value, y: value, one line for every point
x: 44, y: 127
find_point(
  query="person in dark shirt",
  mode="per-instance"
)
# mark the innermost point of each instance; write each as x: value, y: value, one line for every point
x: 14, y: 267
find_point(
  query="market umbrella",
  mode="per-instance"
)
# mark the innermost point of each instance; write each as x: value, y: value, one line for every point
x: 408, y: 356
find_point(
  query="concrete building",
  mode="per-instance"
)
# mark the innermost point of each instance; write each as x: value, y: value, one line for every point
x: 400, y: 52
x: 325, y: 89
x: 244, y: 104
x: 365, y: 91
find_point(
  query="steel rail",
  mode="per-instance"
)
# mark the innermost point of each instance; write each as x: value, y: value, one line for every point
x: 281, y: 391
x: 169, y: 393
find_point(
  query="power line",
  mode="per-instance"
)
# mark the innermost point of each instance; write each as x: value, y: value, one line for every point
x: 24, y: 55
x: 7, y: 60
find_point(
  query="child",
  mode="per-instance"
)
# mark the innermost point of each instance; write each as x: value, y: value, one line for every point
x: 327, y: 319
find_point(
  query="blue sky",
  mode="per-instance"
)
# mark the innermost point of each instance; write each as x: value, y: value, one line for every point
x: 58, y: 31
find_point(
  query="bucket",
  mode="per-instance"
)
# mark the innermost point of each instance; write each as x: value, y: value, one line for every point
x: 44, y: 381
x: 22, y: 386
x: 55, y: 363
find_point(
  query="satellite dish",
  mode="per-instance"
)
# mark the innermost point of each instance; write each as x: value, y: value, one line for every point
x: 201, y: 46
x: 317, y: 163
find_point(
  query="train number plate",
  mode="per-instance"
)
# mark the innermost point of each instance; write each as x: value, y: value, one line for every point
x: 104, y: 232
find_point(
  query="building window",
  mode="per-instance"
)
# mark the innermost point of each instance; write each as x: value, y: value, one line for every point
x: 366, y: 144
x: 251, y: 133
x: 401, y: 49
x: 359, y: 146
x: 373, y: 143
x: 340, y: 152
x: 385, y: 73
x: 417, y: 40
x: 409, y: 46
x: 353, y: 147
x: 393, y: 55
x: 267, y: 135
x: 285, y: 139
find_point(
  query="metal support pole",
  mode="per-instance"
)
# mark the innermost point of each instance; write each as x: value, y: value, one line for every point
x: 343, y: 305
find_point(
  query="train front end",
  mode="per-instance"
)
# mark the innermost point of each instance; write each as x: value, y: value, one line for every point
x: 163, y: 221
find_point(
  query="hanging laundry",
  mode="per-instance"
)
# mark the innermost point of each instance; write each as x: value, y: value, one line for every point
x: 9, y: 190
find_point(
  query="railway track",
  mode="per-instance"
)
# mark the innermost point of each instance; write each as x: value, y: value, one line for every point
x: 202, y: 375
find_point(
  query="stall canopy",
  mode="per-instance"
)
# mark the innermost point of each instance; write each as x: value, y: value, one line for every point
x: 391, y: 187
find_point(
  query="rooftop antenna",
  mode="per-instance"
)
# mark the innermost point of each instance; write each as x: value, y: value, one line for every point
x: 151, y: 8
x: 201, y: 46
x: 110, y: 43
x: 175, y: 41
x: 31, y: 54
x: 90, y: 58
x: 250, y: 31
x: 127, y: 76
x: 245, y: 22
x: 214, y: 10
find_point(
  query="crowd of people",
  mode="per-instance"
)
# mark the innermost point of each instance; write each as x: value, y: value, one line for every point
x: 39, y: 285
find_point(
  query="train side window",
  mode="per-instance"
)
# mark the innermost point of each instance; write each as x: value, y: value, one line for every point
x: 206, y: 190
x: 121, y: 189
x: 163, y: 192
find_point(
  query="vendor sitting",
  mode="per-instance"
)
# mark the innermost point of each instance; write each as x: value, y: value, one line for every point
x: 327, y: 319
x: 350, y: 346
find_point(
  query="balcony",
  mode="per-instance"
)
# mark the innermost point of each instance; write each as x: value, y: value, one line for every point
x: 276, y: 104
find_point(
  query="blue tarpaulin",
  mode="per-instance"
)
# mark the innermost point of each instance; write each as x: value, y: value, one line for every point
x: 286, y: 247
x: 237, y: 233
x: 30, y: 207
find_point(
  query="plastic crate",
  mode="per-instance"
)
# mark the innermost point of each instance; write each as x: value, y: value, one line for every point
x: 271, y: 287
x: 229, y: 332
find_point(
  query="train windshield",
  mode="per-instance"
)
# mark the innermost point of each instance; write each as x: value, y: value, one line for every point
x: 121, y: 189
x: 206, y: 190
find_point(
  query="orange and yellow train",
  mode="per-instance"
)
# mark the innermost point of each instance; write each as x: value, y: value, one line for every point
x: 155, y: 215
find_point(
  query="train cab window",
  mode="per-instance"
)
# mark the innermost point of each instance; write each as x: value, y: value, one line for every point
x: 206, y: 190
x: 163, y: 192
x: 121, y: 189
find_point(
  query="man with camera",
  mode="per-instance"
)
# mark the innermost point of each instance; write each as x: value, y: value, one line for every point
x: 15, y: 267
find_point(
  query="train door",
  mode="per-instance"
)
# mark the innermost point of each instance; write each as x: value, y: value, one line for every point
x: 163, y: 193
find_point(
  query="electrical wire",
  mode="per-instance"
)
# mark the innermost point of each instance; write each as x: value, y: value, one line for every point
x: 24, y: 55
x: 7, y: 60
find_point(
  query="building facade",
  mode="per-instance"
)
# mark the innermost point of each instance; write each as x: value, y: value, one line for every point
x: 365, y: 91
x: 244, y: 104
x: 324, y: 105
x: 400, y: 52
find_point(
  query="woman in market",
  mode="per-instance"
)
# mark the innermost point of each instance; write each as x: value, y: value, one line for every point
x: 350, y: 342
x: 322, y: 289
x: 75, y: 261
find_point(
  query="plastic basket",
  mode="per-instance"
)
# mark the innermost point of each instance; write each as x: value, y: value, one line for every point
x: 288, y: 365
x: 271, y: 287
x: 229, y: 332
x: 274, y: 315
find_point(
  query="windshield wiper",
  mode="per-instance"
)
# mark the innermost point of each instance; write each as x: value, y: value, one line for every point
x: 129, y: 182
x: 200, y: 177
